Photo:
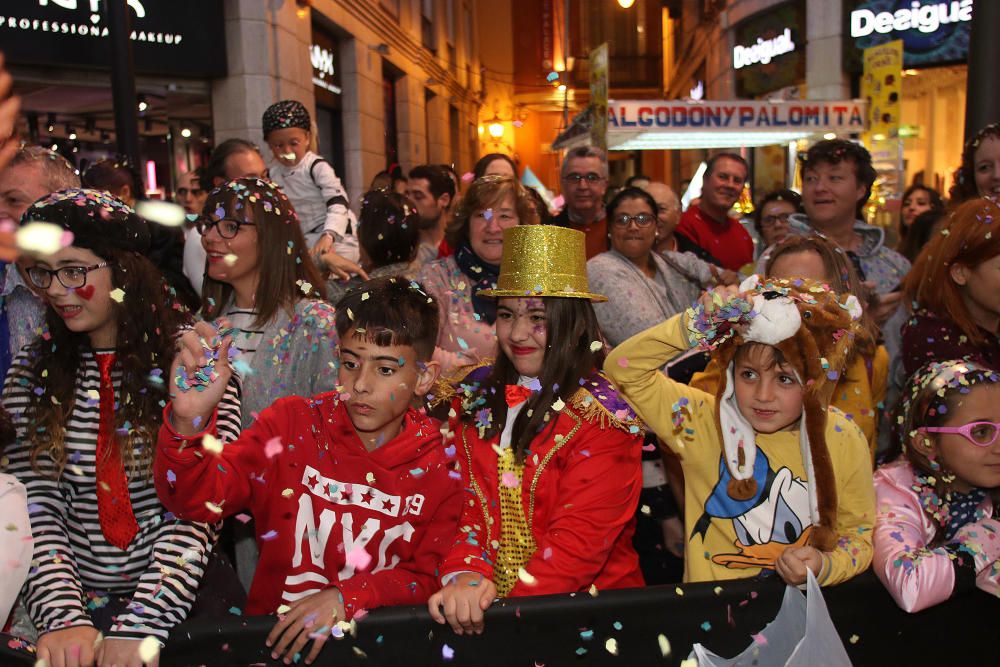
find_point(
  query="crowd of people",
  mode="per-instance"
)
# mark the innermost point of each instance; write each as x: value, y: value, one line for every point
x: 458, y: 395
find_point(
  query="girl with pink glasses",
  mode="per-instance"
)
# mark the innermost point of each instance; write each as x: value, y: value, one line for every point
x: 937, y: 532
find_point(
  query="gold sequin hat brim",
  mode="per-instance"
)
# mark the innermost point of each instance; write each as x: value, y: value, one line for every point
x: 543, y: 261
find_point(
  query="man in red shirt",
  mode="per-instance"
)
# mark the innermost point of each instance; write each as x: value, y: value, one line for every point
x: 708, y: 224
x: 584, y: 177
x: 356, y: 499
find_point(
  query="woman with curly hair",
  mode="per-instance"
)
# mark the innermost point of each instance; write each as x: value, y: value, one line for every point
x: 87, y: 403
x: 468, y: 320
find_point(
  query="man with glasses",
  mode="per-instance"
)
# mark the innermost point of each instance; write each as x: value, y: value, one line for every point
x: 584, y: 177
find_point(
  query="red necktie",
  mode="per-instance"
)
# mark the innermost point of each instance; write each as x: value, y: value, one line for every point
x: 114, y: 507
x: 516, y: 394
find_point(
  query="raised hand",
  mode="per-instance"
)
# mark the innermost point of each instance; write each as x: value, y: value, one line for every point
x: 198, y: 377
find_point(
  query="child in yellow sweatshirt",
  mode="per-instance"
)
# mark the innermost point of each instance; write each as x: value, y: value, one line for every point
x: 774, y: 479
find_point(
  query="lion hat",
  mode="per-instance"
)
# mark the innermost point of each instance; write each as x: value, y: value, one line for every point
x: 815, y: 330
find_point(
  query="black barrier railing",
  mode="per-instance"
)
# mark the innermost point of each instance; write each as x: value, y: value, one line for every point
x: 569, y: 630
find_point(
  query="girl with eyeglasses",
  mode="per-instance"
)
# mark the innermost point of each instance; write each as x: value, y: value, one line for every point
x: 261, y: 283
x: 937, y: 533
x: 644, y: 287
x: 86, y: 399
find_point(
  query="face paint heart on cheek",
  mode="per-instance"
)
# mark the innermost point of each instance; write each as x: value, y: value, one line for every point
x: 86, y: 292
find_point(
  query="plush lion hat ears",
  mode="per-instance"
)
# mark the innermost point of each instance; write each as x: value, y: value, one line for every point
x: 814, y: 330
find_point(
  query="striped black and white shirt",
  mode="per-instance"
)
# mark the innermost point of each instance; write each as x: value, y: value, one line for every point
x: 246, y: 337
x: 161, y: 568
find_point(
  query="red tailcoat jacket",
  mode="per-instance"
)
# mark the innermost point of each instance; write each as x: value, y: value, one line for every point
x: 580, y: 490
x: 328, y: 512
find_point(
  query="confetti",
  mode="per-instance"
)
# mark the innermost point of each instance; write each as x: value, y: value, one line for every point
x: 596, y: 345
x: 273, y: 447
x: 509, y: 480
x: 149, y: 648
x: 854, y: 639
x: 230, y: 259
x: 43, y: 238
x: 358, y: 558
x: 447, y: 652
x: 664, y: 645
x: 526, y: 577
x: 117, y: 294
x: 161, y: 212
x: 611, y: 646
x: 211, y: 444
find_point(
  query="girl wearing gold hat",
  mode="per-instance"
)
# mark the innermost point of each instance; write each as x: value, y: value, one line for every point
x: 549, y: 450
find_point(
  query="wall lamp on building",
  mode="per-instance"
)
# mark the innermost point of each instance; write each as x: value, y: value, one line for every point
x: 382, y: 49
x: 302, y: 8
x: 625, y: 4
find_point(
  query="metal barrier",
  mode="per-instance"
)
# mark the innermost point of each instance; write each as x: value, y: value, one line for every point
x: 579, y: 629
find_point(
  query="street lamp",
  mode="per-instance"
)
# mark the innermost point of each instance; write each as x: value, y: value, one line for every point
x: 495, y: 128
x: 625, y: 4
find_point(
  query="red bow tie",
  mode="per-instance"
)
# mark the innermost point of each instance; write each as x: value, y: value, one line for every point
x: 516, y: 394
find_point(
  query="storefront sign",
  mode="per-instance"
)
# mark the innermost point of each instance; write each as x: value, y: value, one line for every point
x: 768, y: 54
x: 881, y: 88
x: 174, y: 37
x: 325, y: 69
x: 925, y: 18
x: 763, y: 51
x: 933, y: 32
x: 679, y: 116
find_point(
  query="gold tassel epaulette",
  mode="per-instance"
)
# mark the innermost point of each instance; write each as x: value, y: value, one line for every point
x: 446, y: 388
x: 598, y: 401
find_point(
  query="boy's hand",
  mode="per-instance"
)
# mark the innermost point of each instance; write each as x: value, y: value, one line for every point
x: 70, y: 647
x: 123, y: 653
x: 462, y: 602
x: 791, y: 565
x: 312, y: 617
x: 200, y: 354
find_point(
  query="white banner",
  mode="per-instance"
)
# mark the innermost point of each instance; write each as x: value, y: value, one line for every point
x: 799, y: 116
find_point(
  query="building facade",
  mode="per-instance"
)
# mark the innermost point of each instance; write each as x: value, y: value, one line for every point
x: 389, y: 82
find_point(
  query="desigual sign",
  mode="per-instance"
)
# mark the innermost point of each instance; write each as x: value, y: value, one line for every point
x: 926, y: 18
x: 182, y: 37
x: 933, y: 33
x: 763, y: 51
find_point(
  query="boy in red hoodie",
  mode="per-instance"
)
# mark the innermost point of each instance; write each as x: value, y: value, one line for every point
x: 354, y: 496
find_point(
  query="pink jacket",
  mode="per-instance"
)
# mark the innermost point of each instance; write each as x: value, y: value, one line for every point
x: 918, y: 577
x: 462, y: 339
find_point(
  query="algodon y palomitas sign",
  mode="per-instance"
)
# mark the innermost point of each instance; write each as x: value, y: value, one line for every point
x: 839, y: 116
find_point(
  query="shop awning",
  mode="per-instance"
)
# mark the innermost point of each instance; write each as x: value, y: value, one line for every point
x: 680, y: 124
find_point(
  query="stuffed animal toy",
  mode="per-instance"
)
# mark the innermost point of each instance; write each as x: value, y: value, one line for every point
x: 813, y: 331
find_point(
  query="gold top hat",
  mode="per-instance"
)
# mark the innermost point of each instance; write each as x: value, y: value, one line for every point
x: 543, y: 260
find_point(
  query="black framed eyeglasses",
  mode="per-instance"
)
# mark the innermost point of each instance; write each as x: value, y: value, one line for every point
x: 576, y: 179
x: 228, y: 228
x: 771, y: 220
x: 70, y: 277
x: 640, y: 220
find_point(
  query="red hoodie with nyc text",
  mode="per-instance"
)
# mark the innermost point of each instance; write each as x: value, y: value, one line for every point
x: 328, y: 512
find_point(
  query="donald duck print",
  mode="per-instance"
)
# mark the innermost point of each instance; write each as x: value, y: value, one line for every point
x: 775, y: 518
